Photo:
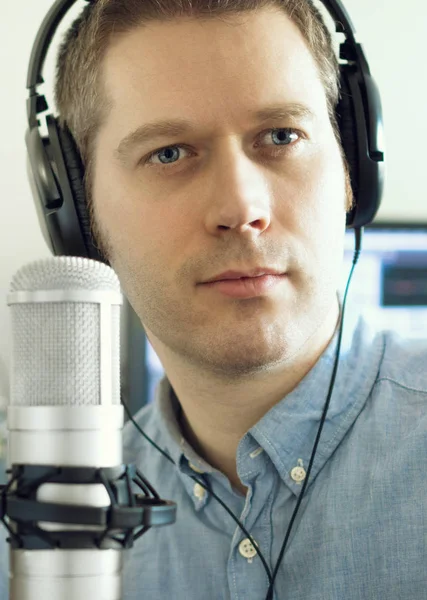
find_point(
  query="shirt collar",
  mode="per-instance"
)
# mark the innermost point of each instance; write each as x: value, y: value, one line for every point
x: 287, y: 432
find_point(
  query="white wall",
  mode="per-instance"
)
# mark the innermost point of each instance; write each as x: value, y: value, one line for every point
x: 393, y: 34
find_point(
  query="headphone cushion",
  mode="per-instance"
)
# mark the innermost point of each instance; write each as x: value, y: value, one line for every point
x: 346, y: 116
x: 75, y: 170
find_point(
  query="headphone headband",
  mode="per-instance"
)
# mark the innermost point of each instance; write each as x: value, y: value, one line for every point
x: 60, y: 8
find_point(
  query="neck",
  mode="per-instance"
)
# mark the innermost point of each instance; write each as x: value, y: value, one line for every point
x: 216, y: 416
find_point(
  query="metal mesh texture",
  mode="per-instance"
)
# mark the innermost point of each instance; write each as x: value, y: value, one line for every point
x: 55, y: 349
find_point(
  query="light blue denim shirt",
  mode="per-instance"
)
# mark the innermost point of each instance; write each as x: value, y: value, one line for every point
x: 361, y: 530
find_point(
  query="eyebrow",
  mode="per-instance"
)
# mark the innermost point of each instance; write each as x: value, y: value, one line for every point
x: 172, y: 128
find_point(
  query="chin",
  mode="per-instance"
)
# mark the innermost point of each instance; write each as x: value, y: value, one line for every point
x: 237, y: 357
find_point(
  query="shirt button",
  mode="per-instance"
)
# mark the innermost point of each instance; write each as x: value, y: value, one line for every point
x: 298, y: 474
x: 246, y: 548
x: 256, y: 452
x: 194, y: 468
x: 199, y: 491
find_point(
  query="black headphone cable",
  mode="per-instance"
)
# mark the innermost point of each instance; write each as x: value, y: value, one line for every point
x: 271, y: 578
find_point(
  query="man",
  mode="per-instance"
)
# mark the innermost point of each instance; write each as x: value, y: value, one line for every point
x: 236, y: 200
x: 248, y: 358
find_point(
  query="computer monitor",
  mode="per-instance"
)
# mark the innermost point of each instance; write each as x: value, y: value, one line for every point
x: 389, y: 286
x: 389, y: 283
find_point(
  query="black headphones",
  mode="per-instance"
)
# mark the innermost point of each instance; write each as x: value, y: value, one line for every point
x: 56, y: 171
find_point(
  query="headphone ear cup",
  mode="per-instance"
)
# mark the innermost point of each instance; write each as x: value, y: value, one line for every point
x: 346, y: 117
x: 76, y: 173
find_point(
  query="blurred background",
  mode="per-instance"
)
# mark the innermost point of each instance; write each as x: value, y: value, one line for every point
x: 390, y: 281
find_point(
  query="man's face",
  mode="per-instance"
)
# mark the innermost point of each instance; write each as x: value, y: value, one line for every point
x: 235, y: 193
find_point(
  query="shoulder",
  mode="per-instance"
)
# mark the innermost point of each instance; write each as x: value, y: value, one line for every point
x: 147, y: 446
x: 404, y: 362
x: 134, y: 441
x: 146, y: 442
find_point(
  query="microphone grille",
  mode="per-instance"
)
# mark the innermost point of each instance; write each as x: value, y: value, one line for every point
x: 65, y: 272
x: 65, y: 352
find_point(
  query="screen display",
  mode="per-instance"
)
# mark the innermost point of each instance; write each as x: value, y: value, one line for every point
x: 389, y: 283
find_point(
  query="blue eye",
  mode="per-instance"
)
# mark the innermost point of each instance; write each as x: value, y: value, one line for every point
x: 286, y: 139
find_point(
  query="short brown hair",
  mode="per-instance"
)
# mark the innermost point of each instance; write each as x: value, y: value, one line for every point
x: 79, y: 97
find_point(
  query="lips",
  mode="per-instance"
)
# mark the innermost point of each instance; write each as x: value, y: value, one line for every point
x: 244, y: 288
x: 257, y: 272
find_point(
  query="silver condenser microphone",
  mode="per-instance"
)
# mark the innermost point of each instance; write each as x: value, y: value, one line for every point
x: 68, y: 504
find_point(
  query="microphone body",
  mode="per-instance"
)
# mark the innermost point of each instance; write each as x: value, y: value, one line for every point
x: 64, y: 411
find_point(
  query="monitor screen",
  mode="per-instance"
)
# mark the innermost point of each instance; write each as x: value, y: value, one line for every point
x: 389, y: 285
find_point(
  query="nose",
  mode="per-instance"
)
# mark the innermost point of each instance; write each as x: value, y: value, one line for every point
x: 240, y: 199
